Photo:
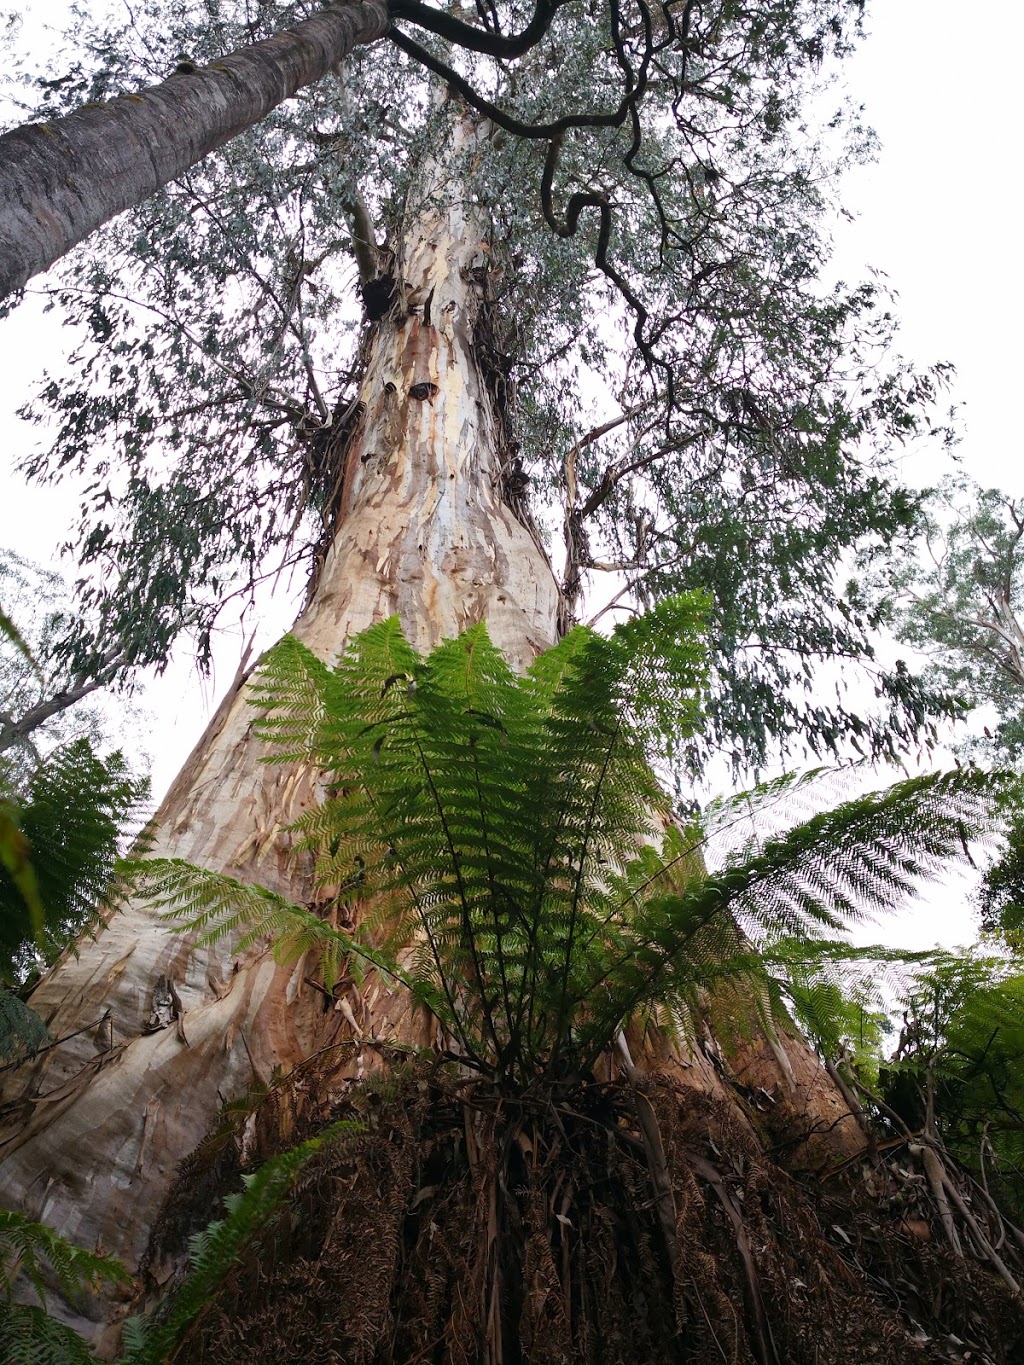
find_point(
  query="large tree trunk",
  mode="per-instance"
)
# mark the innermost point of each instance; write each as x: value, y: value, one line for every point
x: 60, y: 181
x: 156, y: 1035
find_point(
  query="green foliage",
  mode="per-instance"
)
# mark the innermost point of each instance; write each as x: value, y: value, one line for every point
x: 27, y: 1333
x: 961, y: 601
x: 27, y: 1247
x: 1000, y: 897
x: 215, y: 906
x: 29, y: 1336
x: 513, y: 831
x: 958, y: 1066
x: 18, y: 880
x: 218, y: 337
x: 149, y: 1341
x: 70, y: 818
x: 22, y: 1032
x: 840, y: 996
x: 62, y: 814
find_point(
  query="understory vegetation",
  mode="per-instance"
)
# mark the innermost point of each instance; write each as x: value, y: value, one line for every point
x: 521, y: 1188
x: 648, y: 1102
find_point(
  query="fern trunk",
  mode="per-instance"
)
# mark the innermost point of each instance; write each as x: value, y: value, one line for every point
x: 155, y: 1036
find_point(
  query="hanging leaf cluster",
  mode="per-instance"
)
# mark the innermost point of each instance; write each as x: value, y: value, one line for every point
x: 959, y: 599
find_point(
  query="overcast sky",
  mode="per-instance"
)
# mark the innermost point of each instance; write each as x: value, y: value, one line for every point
x: 938, y: 213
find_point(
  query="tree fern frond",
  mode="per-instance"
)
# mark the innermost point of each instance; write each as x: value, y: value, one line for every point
x: 213, y: 906
x: 27, y: 1332
x: 839, y: 865
x: 963, y: 1039
x: 290, y: 690
x: 29, y: 1336
x: 214, y: 1250
x: 734, y: 825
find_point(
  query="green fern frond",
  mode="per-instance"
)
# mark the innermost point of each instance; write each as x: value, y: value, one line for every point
x: 213, y: 906
x: 963, y: 1039
x: 289, y: 689
x: 26, y: 1246
x: 213, y: 1251
x: 840, y: 865
x: 29, y: 1336
x: 838, y: 994
x: 22, y: 1032
x: 27, y: 1332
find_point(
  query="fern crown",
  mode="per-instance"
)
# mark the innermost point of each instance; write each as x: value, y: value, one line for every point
x: 513, y: 831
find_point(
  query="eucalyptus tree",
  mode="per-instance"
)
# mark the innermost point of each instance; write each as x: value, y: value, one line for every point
x: 960, y: 601
x: 219, y: 360
x: 609, y: 326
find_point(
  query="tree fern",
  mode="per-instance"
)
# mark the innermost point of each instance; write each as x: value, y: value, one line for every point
x: 959, y: 1055
x: 839, y: 995
x: 213, y: 1251
x: 514, y: 831
x: 35, y: 1251
x: 70, y: 820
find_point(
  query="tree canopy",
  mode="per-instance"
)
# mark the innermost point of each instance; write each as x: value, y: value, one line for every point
x: 960, y: 600
x: 669, y: 249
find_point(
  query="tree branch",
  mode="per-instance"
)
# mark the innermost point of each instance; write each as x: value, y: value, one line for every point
x: 487, y: 41
x: 37, y: 715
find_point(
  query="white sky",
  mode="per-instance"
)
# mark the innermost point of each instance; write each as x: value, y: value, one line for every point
x: 938, y: 213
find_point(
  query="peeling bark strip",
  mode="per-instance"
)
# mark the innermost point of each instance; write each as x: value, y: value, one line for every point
x: 156, y: 1034
x: 60, y: 181
x: 91, y: 1132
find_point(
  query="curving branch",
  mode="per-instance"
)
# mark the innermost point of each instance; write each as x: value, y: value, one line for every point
x: 59, y: 181
x: 673, y: 33
x: 498, y: 116
x: 13, y: 730
x: 488, y: 41
x: 578, y: 203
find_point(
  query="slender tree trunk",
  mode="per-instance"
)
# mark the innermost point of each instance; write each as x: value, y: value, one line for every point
x: 156, y: 1035
x: 60, y: 181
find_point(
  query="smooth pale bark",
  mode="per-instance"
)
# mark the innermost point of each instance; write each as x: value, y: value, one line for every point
x: 93, y: 1131
x: 60, y: 181
x: 96, y: 1128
